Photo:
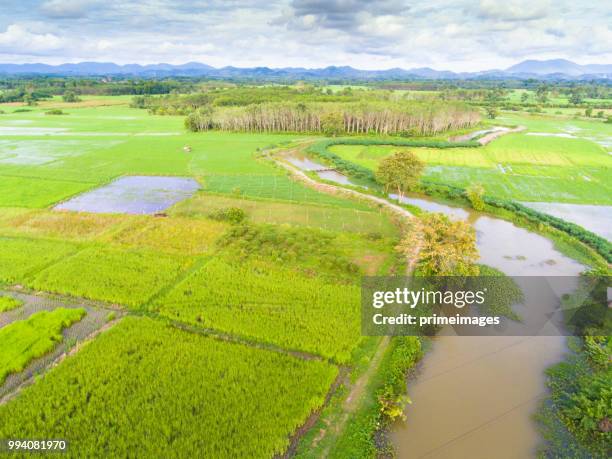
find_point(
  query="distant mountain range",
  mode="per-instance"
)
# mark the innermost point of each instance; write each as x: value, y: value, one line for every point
x: 548, y: 69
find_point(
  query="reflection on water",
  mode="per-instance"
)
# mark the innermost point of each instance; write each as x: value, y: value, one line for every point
x: 323, y: 171
x: 306, y: 164
x: 336, y: 177
x: 597, y: 219
x: 133, y: 195
x: 432, y: 206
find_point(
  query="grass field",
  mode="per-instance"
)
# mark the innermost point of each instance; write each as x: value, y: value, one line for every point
x: 215, y: 399
x: 326, y: 217
x: 22, y: 257
x: 24, y: 340
x: 573, y: 168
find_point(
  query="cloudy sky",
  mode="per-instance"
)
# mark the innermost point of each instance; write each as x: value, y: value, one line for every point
x: 460, y: 35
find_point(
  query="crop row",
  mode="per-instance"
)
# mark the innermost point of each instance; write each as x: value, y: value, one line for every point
x: 25, y: 340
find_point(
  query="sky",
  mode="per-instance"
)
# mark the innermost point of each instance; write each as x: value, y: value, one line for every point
x: 458, y: 35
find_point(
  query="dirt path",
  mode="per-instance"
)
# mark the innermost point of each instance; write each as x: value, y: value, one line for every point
x: 337, y: 190
x: 488, y: 138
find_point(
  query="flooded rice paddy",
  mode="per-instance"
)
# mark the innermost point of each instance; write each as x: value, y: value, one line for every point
x: 325, y: 172
x: 133, y: 195
x: 597, y: 219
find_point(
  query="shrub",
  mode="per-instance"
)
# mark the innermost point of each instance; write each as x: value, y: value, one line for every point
x: 229, y: 214
x: 474, y: 193
x: 55, y: 111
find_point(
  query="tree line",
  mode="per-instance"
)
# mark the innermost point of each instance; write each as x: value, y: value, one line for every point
x: 337, y: 119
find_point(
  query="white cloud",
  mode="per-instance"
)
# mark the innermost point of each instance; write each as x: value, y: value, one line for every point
x: 17, y: 39
x: 514, y: 10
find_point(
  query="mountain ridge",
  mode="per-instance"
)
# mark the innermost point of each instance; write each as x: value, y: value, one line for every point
x: 530, y: 68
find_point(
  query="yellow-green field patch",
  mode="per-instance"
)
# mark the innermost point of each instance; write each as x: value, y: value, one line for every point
x: 267, y: 211
x: 172, y: 234
x: 128, y: 277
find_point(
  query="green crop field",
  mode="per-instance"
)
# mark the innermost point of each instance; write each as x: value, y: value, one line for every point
x: 8, y: 303
x: 24, y: 340
x: 327, y: 217
x: 271, y: 304
x: 20, y: 257
x: 127, y: 277
x: 574, y: 167
x: 188, y: 395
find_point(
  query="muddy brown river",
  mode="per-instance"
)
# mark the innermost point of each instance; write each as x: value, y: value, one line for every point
x: 474, y: 396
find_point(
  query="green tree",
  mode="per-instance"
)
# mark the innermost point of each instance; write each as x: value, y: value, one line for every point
x: 29, y: 100
x: 542, y: 93
x: 491, y: 111
x: 576, y: 97
x: 524, y: 97
x: 447, y: 247
x: 400, y: 172
x: 200, y: 119
x: 332, y: 123
x: 70, y: 96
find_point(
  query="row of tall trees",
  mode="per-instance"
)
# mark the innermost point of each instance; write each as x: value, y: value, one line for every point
x: 336, y: 119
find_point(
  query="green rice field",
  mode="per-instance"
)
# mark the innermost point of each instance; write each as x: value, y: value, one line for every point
x: 194, y: 383
x: 552, y: 161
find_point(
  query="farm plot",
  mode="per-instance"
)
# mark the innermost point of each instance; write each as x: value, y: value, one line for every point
x: 266, y: 302
x: 268, y: 211
x: 22, y: 257
x: 516, y: 166
x: 35, y: 192
x: 189, y: 395
x: 59, y: 225
x: 178, y: 235
x: 33, y: 306
x: 277, y: 187
x: 129, y: 277
x: 25, y: 340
